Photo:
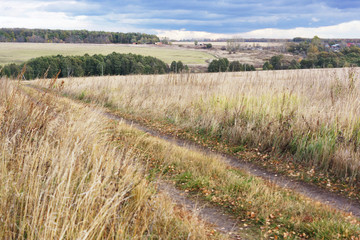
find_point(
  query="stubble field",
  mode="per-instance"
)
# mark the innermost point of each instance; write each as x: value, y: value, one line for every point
x: 21, y: 52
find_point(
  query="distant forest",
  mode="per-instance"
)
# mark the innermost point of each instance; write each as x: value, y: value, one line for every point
x: 79, y: 66
x: 316, y: 54
x: 73, y: 36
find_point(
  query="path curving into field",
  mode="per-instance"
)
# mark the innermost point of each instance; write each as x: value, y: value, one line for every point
x: 213, y: 215
x: 313, y: 192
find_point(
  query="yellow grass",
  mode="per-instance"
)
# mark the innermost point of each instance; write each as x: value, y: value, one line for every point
x: 313, y: 115
x: 61, y: 179
x: 272, y: 211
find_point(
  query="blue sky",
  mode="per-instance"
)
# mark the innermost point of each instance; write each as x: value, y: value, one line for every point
x: 272, y: 18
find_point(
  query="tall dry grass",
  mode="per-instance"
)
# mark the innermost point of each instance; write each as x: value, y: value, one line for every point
x: 250, y: 199
x: 313, y: 115
x: 255, y: 201
x: 60, y: 179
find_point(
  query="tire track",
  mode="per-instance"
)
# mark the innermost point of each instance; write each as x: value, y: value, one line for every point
x: 311, y: 191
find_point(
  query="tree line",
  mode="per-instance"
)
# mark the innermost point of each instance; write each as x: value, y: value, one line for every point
x: 79, y: 66
x: 112, y: 64
x: 73, y: 36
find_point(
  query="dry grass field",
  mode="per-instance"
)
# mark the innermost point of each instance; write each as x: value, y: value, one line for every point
x: 61, y: 178
x: 251, y: 199
x: 311, y: 115
x: 69, y: 172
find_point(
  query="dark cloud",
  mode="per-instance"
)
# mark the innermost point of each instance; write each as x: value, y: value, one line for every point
x: 218, y: 16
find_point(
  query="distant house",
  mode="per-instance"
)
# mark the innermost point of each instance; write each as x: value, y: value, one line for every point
x: 158, y: 43
x: 335, y: 47
x: 350, y: 44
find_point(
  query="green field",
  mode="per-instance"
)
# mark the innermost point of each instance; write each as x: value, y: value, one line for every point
x: 20, y: 52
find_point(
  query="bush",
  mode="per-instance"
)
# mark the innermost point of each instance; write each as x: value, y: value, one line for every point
x: 267, y: 66
x: 177, y: 67
x: 220, y: 65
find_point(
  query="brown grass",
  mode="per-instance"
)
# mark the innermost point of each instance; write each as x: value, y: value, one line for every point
x: 61, y: 179
x: 313, y: 115
x: 269, y: 210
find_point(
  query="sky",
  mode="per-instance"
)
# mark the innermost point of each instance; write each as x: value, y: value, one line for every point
x: 185, y: 19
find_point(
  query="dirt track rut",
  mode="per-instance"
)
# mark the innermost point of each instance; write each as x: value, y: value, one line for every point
x: 311, y: 191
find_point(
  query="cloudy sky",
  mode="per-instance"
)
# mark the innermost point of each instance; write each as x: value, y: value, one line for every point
x: 183, y: 19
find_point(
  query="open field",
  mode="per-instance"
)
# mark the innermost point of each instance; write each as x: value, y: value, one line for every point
x: 250, y: 199
x: 312, y: 116
x: 20, y: 52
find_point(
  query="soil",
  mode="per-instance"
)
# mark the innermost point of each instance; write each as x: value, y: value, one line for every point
x: 220, y: 221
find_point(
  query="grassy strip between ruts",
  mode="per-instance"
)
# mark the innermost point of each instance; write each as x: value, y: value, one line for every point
x: 284, y: 165
x: 274, y: 212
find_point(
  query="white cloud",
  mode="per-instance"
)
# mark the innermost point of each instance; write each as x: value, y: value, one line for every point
x: 343, y: 30
x: 183, y: 35
x: 53, y: 21
x: 19, y: 13
x: 314, y: 19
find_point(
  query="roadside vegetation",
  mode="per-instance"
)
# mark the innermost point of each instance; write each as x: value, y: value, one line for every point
x: 262, y: 209
x: 62, y: 178
x: 310, y: 116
